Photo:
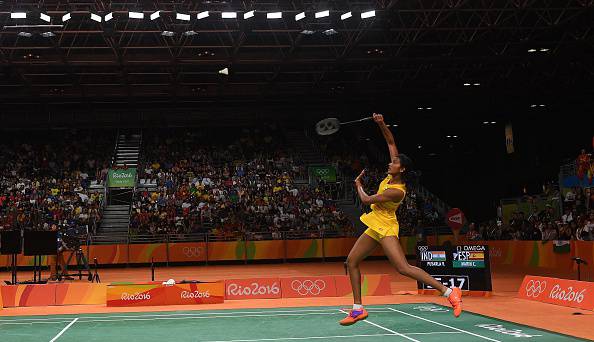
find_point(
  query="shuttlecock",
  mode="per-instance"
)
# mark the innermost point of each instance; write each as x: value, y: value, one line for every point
x: 224, y: 71
x: 169, y: 282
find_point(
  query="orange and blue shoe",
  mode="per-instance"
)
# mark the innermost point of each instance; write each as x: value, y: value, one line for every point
x: 455, y: 298
x: 354, y: 316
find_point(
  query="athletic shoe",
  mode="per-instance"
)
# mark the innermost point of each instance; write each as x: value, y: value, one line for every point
x: 455, y: 299
x: 354, y: 316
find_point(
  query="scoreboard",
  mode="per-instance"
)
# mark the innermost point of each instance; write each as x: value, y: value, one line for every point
x: 464, y: 266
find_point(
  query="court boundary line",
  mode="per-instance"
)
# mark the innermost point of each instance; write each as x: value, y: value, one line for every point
x: 206, y: 313
x: 384, y: 328
x: 301, y: 338
x: 64, y: 330
x: 433, y: 333
x: 445, y: 325
x: 85, y: 320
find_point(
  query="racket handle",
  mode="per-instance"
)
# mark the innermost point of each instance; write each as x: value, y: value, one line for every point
x: 364, y: 119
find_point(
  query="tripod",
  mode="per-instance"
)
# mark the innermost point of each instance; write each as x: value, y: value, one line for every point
x: 81, y: 265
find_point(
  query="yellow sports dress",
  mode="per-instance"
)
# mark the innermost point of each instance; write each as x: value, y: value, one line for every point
x: 382, y: 221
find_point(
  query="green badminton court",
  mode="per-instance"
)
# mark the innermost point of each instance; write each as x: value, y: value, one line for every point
x: 404, y: 322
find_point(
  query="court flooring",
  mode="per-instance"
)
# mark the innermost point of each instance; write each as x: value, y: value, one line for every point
x: 403, y: 322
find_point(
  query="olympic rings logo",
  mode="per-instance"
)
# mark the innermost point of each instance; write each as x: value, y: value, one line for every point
x: 422, y: 248
x: 535, y: 287
x: 192, y: 252
x: 306, y: 287
x: 323, y: 172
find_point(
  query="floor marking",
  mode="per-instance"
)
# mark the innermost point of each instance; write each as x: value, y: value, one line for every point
x: 378, y: 310
x: 433, y: 333
x: 386, y: 329
x: 117, y: 319
x: 64, y: 330
x: 303, y: 338
x: 444, y: 325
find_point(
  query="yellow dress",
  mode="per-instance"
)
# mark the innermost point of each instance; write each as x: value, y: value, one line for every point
x: 382, y: 221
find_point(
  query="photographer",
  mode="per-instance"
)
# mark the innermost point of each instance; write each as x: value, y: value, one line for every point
x: 57, y: 260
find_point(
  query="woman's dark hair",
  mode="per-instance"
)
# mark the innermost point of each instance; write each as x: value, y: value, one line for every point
x: 410, y: 176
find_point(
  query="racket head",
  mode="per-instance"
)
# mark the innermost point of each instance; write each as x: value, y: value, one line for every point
x: 328, y: 126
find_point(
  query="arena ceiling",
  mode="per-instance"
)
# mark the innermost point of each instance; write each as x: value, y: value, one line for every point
x: 413, y: 47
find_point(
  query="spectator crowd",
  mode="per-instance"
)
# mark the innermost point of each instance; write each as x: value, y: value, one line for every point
x: 45, y: 178
x: 206, y: 184
x: 576, y: 222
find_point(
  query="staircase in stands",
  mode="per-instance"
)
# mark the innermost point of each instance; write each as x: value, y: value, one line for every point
x: 115, y: 221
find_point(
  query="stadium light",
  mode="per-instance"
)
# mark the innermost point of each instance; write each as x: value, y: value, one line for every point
x: 181, y: 16
x: 203, y: 15
x: 531, y: 50
x: 167, y: 33
x: 18, y: 15
x: 24, y: 34
x: 466, y: 84
x: 44, y: 17
x: 308, y: 32
x: 543, y: 50
x: 322, y: 14
x: 95, y: 17
x: 109, y: 16
x: 48, y: 34
x: 155, y: 15
x: 367, y: 14
x: 136, y: 15
x: 190, y: 33
x: 346, y: 15
x: 274, y: 15
x: 248, y: 15
x: 329, y: 32
x: 66, y: 17
x: 299, y: 16
x: 228, y: 15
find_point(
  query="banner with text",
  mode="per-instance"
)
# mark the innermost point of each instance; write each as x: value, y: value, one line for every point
x: 122, y: 178
x: 564, y: 292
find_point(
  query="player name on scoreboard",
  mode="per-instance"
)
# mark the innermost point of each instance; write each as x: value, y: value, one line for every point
x: 464, y: 266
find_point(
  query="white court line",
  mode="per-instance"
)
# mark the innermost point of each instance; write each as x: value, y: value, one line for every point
x: 434, y: 333
x: 386, y: 329
x: 184, y: 314
x: 303, y: 338
x: 64, y: 330
x: 118, y: 319
x: 445, y: 325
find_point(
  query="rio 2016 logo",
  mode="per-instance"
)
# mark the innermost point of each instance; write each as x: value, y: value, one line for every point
x: 254, y: 289
x: 194, y: 294
x: 135, y: 296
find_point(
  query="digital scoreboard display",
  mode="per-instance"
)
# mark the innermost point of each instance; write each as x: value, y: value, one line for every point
x: 464, y: 266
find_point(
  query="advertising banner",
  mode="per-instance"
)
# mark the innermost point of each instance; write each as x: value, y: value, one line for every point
x: 121, y: 178
x: 325, y: 172
x: 301, y: 287
x: 564, y: 292
x: 192, y: 294
x: 256, y: 288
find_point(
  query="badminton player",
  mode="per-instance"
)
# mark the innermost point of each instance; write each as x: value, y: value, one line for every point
x: 383, y: 230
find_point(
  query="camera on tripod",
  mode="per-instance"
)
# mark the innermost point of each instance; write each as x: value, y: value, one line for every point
x: 72, y: 238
